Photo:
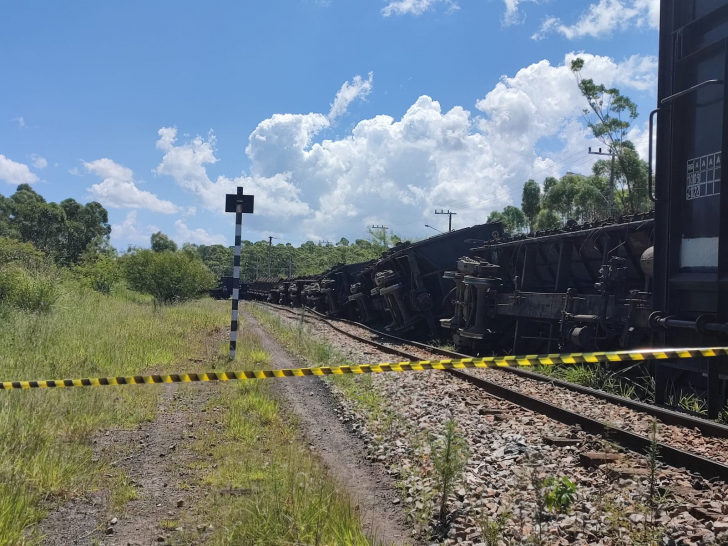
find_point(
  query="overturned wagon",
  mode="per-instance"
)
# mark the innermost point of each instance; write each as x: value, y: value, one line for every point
x: 581, y: 288
x: 260, y: 289
x: 224, y: 288
x: 329, y: 293
x: 406, y: 287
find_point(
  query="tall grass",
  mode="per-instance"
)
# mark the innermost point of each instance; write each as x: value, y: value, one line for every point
x: 287, y: 498
x: 298, y: 339
x: 45, y: 435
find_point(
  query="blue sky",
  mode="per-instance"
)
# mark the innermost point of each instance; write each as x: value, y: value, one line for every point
x: 336, y: 114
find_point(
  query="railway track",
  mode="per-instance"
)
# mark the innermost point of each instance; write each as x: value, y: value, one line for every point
x: 674, y: 456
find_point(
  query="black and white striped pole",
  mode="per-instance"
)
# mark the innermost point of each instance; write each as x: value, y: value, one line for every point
x: 239, y: 204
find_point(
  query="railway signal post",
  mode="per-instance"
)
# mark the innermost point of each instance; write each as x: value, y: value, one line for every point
x: 239, y: 204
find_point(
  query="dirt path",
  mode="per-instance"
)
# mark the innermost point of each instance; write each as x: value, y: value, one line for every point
x: 343, y: 454
x: 157, y: 458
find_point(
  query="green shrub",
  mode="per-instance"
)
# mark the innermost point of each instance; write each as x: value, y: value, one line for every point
x: 22, y: 254
x: 28, y: 290
x: 449, y: 455
x: 560, y: 494
x: 26, y: 281
x: 101, y: 274
x: 169, y: 277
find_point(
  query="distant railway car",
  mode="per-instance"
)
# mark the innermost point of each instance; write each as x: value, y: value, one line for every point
x: 260, y: 288
x: 224, y: 289
x: 329, y: 294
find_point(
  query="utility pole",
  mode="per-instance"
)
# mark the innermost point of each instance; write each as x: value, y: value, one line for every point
x: 610, y: 197
x: 270, y: 243
x: 449, y: 224
x: 384, y: 231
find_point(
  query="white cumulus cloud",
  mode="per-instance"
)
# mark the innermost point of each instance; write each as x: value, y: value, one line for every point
x: 396, y: 171
x: 349, y: 92
x: 130, y: 232
x: 118, y: 189
x: 20, y: 121
x: 414, y: 7
x: 602, y: 19
x: 274, y: 195
x: 199, y: 236
x: 15, y: 173
x: 186, y: 164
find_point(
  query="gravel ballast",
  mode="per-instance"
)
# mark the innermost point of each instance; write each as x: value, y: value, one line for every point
x: 512, y: 450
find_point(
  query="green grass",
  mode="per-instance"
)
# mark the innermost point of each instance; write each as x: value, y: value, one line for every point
x: 169, y: 524
x: 297, y: 338
x: 356, y: 388
x: 723, y: 416
x: 46, y: 435
x: 594, y: 377
x: 267, y: 488
x: 689, y: 402
x: 381, y: 419
x: 122, y: 491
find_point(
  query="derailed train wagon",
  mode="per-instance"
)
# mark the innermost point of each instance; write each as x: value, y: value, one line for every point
x: 260, y: 288
x: 329, y: 294
x: 224, y: 288
x: 579, y: 288
x: 406, y: 287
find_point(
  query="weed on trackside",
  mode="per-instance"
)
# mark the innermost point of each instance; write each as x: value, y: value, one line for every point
x: 642, y: 389
x: 316, y: 353
x: 46, y: 435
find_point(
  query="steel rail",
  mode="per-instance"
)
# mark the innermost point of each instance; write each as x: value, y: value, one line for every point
x: 667, y: 416
x: 669, y: 455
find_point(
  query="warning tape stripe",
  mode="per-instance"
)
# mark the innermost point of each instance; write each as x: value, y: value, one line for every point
x: 447, y: 364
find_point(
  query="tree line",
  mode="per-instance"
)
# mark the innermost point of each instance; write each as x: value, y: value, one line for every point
x: 43, y: 243
x: 262, y: 259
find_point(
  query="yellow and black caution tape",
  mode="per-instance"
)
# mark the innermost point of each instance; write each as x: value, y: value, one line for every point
x: 449, y: 364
